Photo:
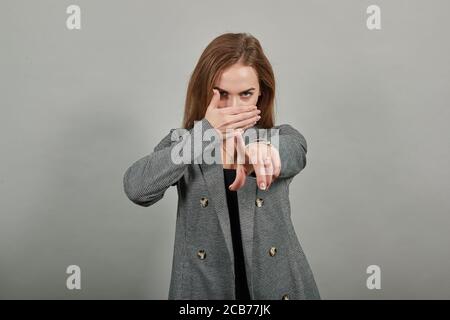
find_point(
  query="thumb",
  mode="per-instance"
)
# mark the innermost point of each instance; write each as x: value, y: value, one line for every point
x: 215, y: 99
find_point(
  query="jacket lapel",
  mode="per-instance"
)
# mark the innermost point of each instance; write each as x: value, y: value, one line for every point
x: 246, y: 199
x: 214, y: 179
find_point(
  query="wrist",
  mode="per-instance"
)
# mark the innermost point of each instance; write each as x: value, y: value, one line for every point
x: 259, y: 140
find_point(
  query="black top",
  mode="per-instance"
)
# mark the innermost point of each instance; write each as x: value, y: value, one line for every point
x: 242, y: 292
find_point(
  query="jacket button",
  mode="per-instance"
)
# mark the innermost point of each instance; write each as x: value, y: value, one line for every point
x: 204, y: 202
x: 285, y: 297
x: 273, y: 251
x: 201, y: 254
x: 259, y: 202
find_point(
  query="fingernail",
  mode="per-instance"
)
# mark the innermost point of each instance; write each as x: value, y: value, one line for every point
x: 229, y: 187
x: 262, y: 186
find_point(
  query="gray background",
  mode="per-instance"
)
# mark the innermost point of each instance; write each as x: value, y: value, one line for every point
x: 79, y: 107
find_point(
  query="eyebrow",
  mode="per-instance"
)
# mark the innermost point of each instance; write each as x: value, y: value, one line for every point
x: 222, y: 90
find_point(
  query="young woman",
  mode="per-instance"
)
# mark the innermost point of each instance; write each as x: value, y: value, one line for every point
x: 234, y: 236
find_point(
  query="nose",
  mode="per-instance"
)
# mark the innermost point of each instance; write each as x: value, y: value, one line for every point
x: 233, y: 101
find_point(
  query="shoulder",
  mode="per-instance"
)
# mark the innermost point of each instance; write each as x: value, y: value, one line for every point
x: 286, y: 128
x: 174, y: 135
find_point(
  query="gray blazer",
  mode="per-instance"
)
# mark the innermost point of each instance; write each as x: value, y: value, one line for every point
x: 203, y: 260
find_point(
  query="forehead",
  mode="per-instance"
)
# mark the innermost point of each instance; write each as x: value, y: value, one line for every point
x: 237, y: 78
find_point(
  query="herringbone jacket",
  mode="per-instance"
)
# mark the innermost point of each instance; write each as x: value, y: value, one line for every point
x: 203, y: 266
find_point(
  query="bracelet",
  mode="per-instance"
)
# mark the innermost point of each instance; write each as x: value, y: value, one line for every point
x: 259, y: 141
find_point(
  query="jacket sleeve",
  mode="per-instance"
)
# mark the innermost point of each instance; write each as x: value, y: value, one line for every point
x: 292, y: 148
x: 147, y: 179
x: 291, y: 145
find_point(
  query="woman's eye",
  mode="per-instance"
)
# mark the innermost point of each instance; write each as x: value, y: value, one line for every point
x: 246, y: 94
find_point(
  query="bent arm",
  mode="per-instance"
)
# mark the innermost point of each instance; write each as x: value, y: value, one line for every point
x: 147, y: 179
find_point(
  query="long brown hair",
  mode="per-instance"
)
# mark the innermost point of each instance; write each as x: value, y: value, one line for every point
x: 224, y: 51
